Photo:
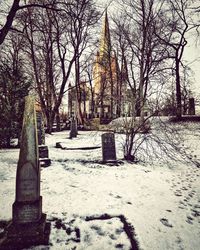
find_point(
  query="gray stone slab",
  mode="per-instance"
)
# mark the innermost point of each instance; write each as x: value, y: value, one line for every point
x: 108, y: 147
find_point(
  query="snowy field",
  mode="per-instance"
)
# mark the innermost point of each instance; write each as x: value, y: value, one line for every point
x: 95, y: 206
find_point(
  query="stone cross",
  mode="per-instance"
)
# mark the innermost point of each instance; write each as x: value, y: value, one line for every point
x: 28, y: 226
x: 73, y: 128
x: 108, y: 147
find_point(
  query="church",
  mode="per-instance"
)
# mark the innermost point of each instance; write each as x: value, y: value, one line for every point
x: 106, y: 97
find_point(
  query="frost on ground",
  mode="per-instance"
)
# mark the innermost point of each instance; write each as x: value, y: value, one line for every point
x: 95, y: 206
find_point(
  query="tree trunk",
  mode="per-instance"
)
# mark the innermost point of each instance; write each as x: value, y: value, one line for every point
x: 129, y: 142
x: 78, y: 90
x: 178, y: 91
x: 58, y: 127
x: 50, y: 119
x: 141, y: 94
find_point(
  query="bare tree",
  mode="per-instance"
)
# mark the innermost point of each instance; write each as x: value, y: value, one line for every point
x: 48, y: 48
x: 142, y: 59
x: 176, y: 19
x: 84, y: 16
x: 140, y: 49
x: 55, y: 42
x: 14, y: 9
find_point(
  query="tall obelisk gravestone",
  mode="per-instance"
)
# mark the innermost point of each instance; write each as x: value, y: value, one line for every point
x: 28, y: 225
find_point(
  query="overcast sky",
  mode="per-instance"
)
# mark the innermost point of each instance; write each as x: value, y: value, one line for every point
x: 191, y: 53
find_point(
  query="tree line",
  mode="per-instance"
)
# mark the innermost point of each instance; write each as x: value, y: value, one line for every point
x: 43, y: 43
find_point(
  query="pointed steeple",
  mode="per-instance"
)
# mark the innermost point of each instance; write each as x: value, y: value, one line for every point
x: 105, y: 43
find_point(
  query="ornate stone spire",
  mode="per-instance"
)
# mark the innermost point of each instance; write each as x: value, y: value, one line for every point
x: 105, y: 43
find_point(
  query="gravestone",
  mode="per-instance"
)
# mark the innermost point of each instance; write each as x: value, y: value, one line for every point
x: 40, y: 128
x: 191, y: 109
x: 43, y: 149
x: 44, y: 156
x: 28, y: 226
x: 108, y: 147
x: 73, y: 128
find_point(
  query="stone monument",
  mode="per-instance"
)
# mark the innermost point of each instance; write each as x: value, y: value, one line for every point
x: 28, y: 226
x: 43, y: 149
x: 73, y: 128
x: 191, y: 110
x: 108, y: 147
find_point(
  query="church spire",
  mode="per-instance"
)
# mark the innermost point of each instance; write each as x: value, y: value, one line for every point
x: 105, y: 43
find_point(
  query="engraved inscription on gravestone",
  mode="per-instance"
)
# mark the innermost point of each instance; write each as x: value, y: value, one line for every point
x: 108, y: 147
x: 27, y: 183
x: 28, y: 213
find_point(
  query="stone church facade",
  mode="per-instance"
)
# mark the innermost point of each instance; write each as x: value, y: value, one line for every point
x: 108, y: 87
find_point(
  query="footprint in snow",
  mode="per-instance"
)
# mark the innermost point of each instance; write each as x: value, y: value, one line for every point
x: 189, y: 220
x: 165, y: 222
x: 128, y: 202
x: 195, y: 212
x: 178, y: 193
x: 118, y: 197
x: 191, y: 194
x: 197, y: 205
x: 182, y: 205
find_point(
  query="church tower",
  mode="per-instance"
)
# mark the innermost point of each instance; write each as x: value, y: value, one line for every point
x: 105, y: 76
x: 105, y: 42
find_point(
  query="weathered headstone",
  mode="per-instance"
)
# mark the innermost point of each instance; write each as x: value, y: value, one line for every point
x: 73, y: 128
x: 40, y: 128
x: 191, y: 110
x: 28, y: 226
x: 43, y: 150
x: 108, y: 147
x: 44, y: 156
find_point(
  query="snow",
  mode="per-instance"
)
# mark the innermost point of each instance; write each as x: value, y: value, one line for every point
x: 160, y: 201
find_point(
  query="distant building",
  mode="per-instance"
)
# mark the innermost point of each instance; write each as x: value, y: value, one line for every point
x: 108, y: 97
x: 107, y: 82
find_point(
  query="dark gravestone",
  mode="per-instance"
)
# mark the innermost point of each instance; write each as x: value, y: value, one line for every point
x: 44, y: 156
x: 191, y: 110
x: 108, y: 147
x: 73, y: 128
x: 40, y: 127
x: 43, y: 150
x: 28, y: 226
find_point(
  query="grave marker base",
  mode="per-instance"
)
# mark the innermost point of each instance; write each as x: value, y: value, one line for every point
x: 25, y: 212
x: 45, y: 162
x: 18, y: 236
x: 110, y: 162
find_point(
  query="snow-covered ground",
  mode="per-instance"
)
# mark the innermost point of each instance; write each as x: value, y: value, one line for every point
x: 95, y: 206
